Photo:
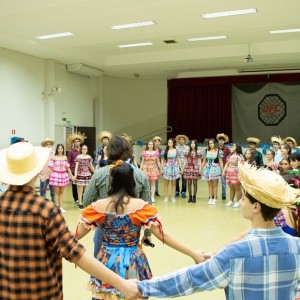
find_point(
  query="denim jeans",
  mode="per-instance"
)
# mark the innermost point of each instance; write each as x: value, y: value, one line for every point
x: 43, y: 189
x: 156, y: 186
x: 183, y: 188
x: 223, y: 180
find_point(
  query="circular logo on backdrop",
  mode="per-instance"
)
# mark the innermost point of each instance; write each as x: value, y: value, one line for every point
x: 271, y: 109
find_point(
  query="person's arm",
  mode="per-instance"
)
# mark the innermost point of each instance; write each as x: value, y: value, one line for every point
x: 95, y: 268
x: 179, y: 163
x: 221, y: 163
x: 43, y: 178
x: 197, y: 256
x: 142, y: 163
x: 203, y: 164
x: 91, y: 166
x: 76, y: 169
x: 70, y: 174
x: 81, y: 231
x: 159, y: 165
x: 199, y: 164
x: 224, y: 170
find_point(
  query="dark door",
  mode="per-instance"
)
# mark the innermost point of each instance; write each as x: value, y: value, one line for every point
x: 90, y: 141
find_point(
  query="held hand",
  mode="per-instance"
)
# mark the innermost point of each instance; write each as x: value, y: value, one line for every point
x: 199, y: 257
x: 42, y: 178
x: 130, y: 290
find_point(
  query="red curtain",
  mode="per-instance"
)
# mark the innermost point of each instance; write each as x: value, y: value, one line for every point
x: 201, y: 107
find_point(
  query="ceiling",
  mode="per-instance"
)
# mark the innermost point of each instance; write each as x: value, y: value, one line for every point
x: 95, y: 44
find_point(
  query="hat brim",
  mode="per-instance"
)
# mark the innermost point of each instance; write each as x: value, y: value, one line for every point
x: 157, y: 138
x: 222, y: 136
x: 253, y: 140
x: 43, y: 143
x: 178, y: 137
x: 104, y: 134
x: 6, y: 176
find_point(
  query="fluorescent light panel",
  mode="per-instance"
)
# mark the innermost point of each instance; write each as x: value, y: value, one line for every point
x: 284, y: 31
x: 136, y: 45
x: 54, y: 35
x: 207, y: 38
x: 133, y: 25
x: 229, y: 13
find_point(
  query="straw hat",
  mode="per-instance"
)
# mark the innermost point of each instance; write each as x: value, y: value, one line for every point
x: 77, y: 136
x: 127, y: 137
x: 268, y: 187
x: 276, y: 139
x: 47, y: 140
x: 103, y: 134
x: 291, y: 139
x: 157, y: 138
x: 179, y: 136
x: 222, y: 136
x: 21, y: 162
x: 253, y: 140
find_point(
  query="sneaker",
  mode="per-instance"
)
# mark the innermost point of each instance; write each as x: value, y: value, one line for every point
x: 229, y: 203
x: 166, y: 199
x: 236, y: 204
x: 213, y: 202
x: 223, y: 197
x: 80, y: 206
x: 183, y: 195
x: 173, y: 199
x: 152, y: 200
x: 157, y: 194
x: 176, y: 194
x: 210, y: 201
x: 62, y: 210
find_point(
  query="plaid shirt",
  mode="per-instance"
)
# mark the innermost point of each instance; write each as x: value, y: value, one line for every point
x: 99, y: 186
x: 263, y: 266
x: 226, y: 151
x: 33, y: 239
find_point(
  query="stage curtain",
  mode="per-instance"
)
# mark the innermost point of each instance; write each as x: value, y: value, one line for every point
x: 200, y: 111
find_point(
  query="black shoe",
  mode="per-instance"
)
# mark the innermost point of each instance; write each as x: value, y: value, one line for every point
x: 80, y: 206
x: 194, y: 199
x: 157, y: 194
x: 183, y: 195
x: 223, y: 197
x: 190, y: 199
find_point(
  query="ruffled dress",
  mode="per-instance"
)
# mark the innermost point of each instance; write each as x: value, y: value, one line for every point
x: 150, y: 167
x: 212, y: 170
x: 120, y: 249
x: 171, y: 168
x: 232, y: 169
x: 84, y: 174
x: 191, y: 168
x: 59, y: 176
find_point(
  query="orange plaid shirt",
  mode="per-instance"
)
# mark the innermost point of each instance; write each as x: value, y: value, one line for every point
x: 33, y: 239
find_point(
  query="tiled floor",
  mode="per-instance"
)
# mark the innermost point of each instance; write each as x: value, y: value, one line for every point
x: 197, y: 225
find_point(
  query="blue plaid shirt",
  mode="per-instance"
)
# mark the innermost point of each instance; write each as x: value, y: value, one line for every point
x: 263, y: 266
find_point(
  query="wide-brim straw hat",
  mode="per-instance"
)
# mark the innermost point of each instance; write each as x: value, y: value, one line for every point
x: 268, y: 187
x: 253, y: 140
x: 222, y: 136
x: 157, y: 138
x: 47, y: 140
x: 289, y: 138
x: 21, y: 162
x: 179, y: 136
x: 103, y: 134
x: 276, y: 139
x: 127, y: 137
x: 77, y: 136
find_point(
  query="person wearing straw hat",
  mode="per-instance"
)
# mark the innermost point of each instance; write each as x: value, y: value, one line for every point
x: 157, y: 140
x: 75, y: 139
x: 103, y: 137
x: 263, y: 265
x: 48, y: 143
x: 292, y: 143
x: 34, y: 236
x: 223, y: 138
x: 182, y: 148
x: 276, y: 142
x: 253, y: 142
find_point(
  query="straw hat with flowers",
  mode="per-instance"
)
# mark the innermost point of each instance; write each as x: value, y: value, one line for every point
x: 276, y: 139
x: 77, y: 136
x: 104, y: 134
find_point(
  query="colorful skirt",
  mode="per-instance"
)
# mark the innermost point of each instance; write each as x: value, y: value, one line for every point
x: 211, y: 171
x: 232, y: 176
x: 60, y: 179
x: 171, y: 170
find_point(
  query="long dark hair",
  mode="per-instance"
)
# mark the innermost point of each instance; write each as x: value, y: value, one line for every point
x: 251, y: 159
x: 147, y: 147
x: 238, y: 150
x: 122, y: 185
x: 196, y: 147
x: 167, y: 149
x: 119, y: 148
x: 56, y: 150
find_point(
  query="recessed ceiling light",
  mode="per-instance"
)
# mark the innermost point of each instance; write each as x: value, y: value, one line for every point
x: 54, y: 35
x: 207, y: 38
x: 136, y: 45
x: 133, y: 25
x: 284, y: 31
x: 230, y: 13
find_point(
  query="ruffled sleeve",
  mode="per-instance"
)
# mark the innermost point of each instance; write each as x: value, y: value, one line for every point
x: 147, y: 217
x: 67, y: 164
x: 51, y: 164
x: 90, y: 216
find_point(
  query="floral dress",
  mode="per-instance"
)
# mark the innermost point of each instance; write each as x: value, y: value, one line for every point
x: 120, y: 249
x: 84, y: 173
x: 59, y: 176
x: 150, y: 167
x: 171, y: 168
x: 232, y: 169
x: 212, y: 169
x: 191, y: 168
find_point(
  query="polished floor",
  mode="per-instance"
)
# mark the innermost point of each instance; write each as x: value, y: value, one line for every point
x: 198, y: 226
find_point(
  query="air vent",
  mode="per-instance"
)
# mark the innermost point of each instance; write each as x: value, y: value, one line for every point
x: 170, y: 42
